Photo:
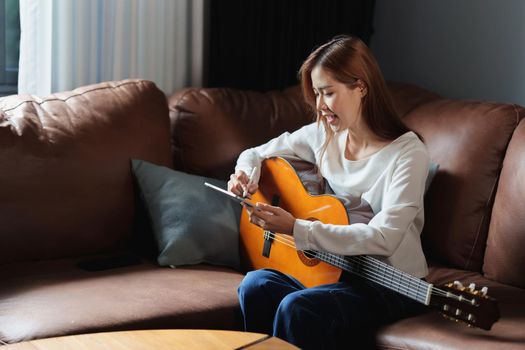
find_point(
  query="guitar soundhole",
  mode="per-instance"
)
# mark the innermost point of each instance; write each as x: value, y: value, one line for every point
x: 308, y: 258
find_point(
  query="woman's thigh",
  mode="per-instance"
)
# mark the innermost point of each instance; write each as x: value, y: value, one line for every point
x: 327, y: 316
x: 357, y: 300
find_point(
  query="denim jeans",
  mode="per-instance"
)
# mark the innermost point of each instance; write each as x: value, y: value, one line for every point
x: 331, y: 316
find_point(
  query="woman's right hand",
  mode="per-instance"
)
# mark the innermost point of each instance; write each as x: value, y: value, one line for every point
x: 238, y: 184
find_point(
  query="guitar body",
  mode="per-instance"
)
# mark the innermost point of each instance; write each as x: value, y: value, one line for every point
x: 280, y: 185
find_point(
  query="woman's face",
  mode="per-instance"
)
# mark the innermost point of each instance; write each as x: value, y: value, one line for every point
x: 337, y: 103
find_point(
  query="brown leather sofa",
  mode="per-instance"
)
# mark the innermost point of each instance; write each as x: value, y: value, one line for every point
x: 67, y: 196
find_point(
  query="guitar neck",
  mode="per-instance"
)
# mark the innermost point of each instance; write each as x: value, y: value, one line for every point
x: 381, y: 273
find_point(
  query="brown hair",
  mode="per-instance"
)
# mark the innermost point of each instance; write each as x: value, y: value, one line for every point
x: 348, y: 60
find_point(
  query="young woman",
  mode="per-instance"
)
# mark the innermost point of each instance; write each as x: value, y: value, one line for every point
x: 363, y: 150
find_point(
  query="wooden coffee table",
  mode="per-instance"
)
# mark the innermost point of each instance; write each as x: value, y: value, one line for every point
x: 157, y: 339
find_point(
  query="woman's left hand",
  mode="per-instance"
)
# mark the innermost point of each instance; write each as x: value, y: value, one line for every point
x: 271, y: 218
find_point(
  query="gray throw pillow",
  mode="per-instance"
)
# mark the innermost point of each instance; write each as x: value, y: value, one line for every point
x: 192, y: 223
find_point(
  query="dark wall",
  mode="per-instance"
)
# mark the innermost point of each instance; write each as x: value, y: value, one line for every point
x: 260, y: 44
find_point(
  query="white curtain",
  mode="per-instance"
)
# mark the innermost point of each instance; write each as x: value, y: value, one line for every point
x: 65, y: 44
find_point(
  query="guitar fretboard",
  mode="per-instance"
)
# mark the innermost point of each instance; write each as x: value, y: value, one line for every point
x: 380, y: 273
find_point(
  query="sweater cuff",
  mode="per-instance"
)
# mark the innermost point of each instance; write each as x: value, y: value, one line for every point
x: 301, y: 231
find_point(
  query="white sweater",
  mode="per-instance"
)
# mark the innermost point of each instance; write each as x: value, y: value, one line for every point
x: 392, y: 181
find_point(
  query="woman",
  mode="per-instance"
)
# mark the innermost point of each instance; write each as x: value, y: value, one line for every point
x: 364, y: 151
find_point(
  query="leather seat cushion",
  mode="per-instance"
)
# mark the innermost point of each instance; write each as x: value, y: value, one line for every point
x: 54, y: 298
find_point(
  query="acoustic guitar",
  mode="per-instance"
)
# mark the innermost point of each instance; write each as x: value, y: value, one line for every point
x: 279, y: 185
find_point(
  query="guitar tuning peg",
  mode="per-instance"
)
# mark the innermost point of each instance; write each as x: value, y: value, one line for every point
x: 472, y: 287
x: 458, y: 284
x: 484, y: 291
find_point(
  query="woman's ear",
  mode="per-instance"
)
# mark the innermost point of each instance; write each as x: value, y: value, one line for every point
x: 363, y: 89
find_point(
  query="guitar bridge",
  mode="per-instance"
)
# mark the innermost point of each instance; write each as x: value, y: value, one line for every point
x: 268, y: 240
x: 268, y: 235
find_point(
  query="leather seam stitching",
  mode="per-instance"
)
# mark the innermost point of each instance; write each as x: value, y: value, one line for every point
x: 176, y: 135
x: 134, y: 82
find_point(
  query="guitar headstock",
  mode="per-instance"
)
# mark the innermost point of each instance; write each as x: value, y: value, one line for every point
x: 466, y: 304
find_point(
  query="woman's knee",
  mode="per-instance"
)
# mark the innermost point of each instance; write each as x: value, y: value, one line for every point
x: 294, y: 304
x: 255, y: 281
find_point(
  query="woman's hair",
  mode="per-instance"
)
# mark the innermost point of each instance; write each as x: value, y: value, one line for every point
x: 348, y: 60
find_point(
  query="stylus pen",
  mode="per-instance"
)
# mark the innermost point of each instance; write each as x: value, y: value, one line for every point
x: 250, y: 181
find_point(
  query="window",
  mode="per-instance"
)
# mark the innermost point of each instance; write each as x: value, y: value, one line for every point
x: 9, y: 46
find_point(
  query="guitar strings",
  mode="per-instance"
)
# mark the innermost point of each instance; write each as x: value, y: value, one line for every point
x: 365, y: 271
x: 368, y: 272
x: 364, y: 259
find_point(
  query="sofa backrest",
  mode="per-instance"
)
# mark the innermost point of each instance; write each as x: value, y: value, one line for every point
x: 505, y: 256
x: 468, y: 139
x: 65, y: 182
x: 211, y: 127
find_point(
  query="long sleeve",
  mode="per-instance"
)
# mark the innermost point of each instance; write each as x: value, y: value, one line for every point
x: 301, y: 143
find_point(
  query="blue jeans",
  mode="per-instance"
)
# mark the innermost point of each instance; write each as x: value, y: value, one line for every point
x: 330, y: 316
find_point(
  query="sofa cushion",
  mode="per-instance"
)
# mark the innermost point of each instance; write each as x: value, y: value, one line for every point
x: 55, y: 298
x: 192, y: 223
x: 432, y: 331
x: 66, y: 184
x: 504, y: 258
x: 468, y: 140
